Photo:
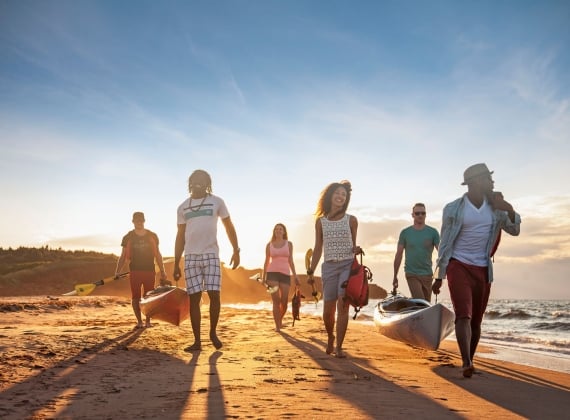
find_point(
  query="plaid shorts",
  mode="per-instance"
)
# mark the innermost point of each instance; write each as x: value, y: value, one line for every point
x: 202, y: 272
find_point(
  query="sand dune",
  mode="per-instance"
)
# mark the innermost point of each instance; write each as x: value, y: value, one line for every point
x: 57, y: 279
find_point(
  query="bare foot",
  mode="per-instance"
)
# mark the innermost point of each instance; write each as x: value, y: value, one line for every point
x: 216, y: 341
x: 330, y: 344
x: 340, y: 353
x: 194, y: 347
x: 468, y: 371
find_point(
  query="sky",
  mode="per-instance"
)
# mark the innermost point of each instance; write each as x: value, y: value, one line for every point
x: 106, y: 107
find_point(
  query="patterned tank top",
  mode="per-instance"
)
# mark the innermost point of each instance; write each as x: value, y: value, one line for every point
x: 337, y: 239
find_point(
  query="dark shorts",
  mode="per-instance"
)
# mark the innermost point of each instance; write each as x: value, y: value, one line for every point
x: 278, y: 278
x: 469, y: 290
x: 138, y: 279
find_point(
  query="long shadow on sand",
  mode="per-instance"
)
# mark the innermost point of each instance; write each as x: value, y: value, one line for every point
x: 370, y: 392
x: 98, y: 379
x: 547, y: 396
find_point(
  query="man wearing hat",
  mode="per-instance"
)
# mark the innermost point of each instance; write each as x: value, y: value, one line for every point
x: 470, y: 231
x: 140, y: 248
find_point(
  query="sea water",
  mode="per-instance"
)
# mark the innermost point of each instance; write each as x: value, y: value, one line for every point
x: 530, y: 332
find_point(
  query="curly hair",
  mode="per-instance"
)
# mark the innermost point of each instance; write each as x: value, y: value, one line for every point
x: 324, y: 204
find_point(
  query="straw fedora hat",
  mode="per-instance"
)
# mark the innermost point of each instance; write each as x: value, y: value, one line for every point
x: 474, y: 171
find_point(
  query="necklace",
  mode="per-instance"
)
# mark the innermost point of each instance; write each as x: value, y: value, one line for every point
x: 199, y: 206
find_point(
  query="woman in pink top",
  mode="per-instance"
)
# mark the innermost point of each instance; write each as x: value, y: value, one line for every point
x: 277, y: 271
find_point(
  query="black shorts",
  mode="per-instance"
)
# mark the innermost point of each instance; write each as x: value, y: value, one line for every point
x: 279, y: 278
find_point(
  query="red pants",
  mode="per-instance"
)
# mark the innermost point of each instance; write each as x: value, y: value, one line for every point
x: 469, y: 290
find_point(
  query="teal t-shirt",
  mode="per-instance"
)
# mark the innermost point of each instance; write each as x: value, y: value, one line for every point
x: 418, y: 247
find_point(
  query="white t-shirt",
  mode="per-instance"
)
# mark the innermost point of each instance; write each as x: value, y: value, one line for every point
x: 201, y: 219
x: 471, y: 243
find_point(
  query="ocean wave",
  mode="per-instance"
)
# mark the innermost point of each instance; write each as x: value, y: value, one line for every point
x: 510, y: 314
x: 560, y: 314
x: 554, y: 326
x: 545, y: 344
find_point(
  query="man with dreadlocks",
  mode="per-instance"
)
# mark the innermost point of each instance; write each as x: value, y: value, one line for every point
x: 197, y: 238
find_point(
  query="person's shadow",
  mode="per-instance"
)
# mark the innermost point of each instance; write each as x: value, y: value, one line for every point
x: 112, y: 380
x: 370, y: 392
x: 509, y: 388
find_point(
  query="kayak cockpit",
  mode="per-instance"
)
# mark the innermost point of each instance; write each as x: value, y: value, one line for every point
x: 399, y: 304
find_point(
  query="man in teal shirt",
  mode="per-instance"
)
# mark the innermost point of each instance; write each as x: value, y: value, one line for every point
x: 418, y: 241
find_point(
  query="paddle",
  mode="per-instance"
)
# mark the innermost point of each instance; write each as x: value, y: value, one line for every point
x: 270, y: 289
x: 86, y: 289
x: 316, y: 294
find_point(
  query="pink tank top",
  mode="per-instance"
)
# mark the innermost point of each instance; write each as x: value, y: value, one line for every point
x: 279, y: 261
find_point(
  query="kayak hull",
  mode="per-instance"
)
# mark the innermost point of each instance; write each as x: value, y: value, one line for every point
x: 414, y: 321
x: 168, y: 303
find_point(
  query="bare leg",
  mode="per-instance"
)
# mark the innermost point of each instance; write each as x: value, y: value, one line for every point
x: 215, y: 306
x: 284, y: 300
x: 276, y: 299
x: 135, y: 303
x: 195, y: 320
x: 329, y: 310
x: 341, y: 325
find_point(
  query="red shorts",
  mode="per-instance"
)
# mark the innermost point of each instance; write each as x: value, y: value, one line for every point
x: 141, y: 278
x: 469, y: 290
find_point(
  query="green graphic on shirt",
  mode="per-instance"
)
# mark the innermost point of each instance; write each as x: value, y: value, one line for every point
x: 199, y: 213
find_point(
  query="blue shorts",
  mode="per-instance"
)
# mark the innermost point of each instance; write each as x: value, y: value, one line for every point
x: 202, y: 272
x: 334, y: 274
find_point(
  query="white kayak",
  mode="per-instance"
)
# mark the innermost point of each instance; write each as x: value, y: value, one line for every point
x: 414, y: 321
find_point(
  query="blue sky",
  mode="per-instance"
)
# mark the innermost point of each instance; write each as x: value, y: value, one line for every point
x: 106, y: 107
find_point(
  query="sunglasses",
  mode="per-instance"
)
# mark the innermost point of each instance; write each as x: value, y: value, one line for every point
x: 420, y: 213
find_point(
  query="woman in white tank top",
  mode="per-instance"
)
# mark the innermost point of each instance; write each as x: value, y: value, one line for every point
x: 335, y: 239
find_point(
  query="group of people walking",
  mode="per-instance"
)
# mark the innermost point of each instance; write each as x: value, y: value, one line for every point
x: 470, y: 231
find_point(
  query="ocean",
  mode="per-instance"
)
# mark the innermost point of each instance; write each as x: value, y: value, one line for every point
x: 529, y: 332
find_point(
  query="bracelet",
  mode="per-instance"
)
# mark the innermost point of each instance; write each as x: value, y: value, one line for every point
x: 237, y: 250
x: 438, y: 279
x: 310, y: 272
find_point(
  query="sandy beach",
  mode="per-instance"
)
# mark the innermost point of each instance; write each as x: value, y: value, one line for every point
x: 79, y: 358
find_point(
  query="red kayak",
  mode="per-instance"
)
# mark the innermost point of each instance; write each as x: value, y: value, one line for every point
x: 167, y: 303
